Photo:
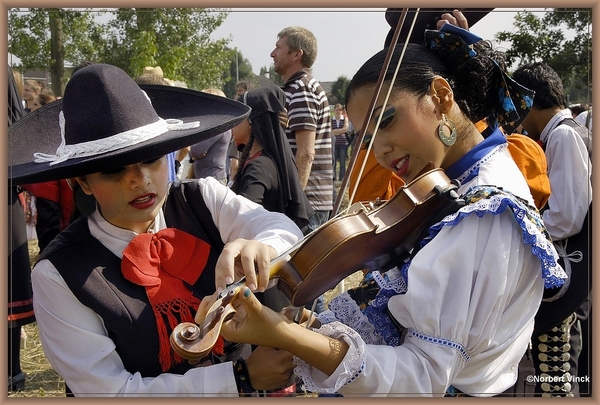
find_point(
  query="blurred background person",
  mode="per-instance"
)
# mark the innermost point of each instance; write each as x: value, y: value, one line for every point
x: 31, y: 88
x: 41, y: 100
x: 210, y: 157
x: 339, y: 128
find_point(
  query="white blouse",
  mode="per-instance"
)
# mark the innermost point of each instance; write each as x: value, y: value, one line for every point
x: 467, y: 301
x: 75, y: 340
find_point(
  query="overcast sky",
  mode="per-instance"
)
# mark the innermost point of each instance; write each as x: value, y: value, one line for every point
x: 346, y: 39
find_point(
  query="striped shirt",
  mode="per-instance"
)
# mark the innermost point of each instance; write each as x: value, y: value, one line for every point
x: 308, y: 109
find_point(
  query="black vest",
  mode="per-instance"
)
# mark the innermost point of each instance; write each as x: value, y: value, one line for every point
x: 94, y: 276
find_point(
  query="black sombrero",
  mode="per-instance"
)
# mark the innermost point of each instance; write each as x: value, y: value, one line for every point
x: 108, y: 121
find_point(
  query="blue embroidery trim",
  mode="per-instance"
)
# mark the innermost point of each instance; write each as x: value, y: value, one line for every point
x: 357, y: 374
x: 467, y: 167
x: 488, y: 199
x: 379, y: 318
x: 443, y: 343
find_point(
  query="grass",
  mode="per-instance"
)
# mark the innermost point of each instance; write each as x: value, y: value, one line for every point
x: 41, y: 380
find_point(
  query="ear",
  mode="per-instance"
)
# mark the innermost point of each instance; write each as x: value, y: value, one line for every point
x: 82, y: 180
x: 298, y: 54
x: 441, y: 93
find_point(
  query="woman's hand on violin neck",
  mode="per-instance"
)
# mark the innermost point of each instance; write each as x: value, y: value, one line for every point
x: 244, y: 257
x: 264, y: 327
x: 256, y: 324
x: 270, y: 368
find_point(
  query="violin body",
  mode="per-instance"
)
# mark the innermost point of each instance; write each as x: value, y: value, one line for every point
x: 364, y: 239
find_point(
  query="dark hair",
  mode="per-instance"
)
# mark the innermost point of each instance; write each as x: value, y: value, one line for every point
x: 546, y: 83
x: 578, y: 108
x: 47, y: 90
x: 470, y: 82
x: 244, y: 85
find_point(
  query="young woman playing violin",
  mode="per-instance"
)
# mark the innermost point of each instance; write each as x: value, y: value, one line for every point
x: 456, y: 315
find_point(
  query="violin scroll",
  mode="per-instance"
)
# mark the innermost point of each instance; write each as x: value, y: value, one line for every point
x: 193, y: 341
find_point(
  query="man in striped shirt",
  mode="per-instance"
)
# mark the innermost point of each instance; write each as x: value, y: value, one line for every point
x: 309, y: 127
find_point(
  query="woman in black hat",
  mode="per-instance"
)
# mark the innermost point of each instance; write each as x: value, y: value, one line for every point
x: 111, y: 287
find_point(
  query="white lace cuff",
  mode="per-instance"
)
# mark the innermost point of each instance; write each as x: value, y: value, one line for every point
x: 348, y: 370
x: 347, y: 311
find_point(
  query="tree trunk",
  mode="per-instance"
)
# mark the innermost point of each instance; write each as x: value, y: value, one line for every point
x: 57, y: 52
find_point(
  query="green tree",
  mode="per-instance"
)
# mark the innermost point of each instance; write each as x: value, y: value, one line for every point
x: 239, y: 70
x: 176, y: 39
x: 543, y: 39
x: 49, y: 38
x: 338, y: 90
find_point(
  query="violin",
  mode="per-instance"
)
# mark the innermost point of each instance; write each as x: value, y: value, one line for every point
x: 366, y: 238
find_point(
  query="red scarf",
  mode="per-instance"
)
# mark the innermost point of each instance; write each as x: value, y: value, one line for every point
x: 165, y: 264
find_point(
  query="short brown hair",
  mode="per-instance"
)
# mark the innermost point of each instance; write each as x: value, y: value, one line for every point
x: 299, y: 38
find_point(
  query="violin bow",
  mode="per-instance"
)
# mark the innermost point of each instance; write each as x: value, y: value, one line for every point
x: 361, y: 135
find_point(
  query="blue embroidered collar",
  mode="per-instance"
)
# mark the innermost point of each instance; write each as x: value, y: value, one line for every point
x: 467, y: 166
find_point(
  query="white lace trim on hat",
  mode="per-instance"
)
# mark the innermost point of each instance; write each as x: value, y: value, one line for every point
x: 111, y: 143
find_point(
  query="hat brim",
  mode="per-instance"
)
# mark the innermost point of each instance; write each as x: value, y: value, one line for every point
x: 39, y: 131
x: 426, y: 20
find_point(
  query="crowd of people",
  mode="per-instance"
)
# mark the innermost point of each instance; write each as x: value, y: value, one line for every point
x: 153, y: 199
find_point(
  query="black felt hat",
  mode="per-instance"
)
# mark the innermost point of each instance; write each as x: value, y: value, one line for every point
x: 106, y: 120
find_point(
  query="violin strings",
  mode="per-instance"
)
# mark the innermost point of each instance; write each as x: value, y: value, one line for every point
x: 387, y: 97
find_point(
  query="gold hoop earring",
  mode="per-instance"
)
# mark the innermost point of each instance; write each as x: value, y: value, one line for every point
x: 447, y: 139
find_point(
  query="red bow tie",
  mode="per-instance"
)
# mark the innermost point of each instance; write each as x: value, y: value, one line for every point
x: 164, y: 263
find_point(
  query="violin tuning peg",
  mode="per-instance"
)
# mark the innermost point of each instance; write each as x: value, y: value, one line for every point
x: 216, y: 317
x: 229, y: 297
